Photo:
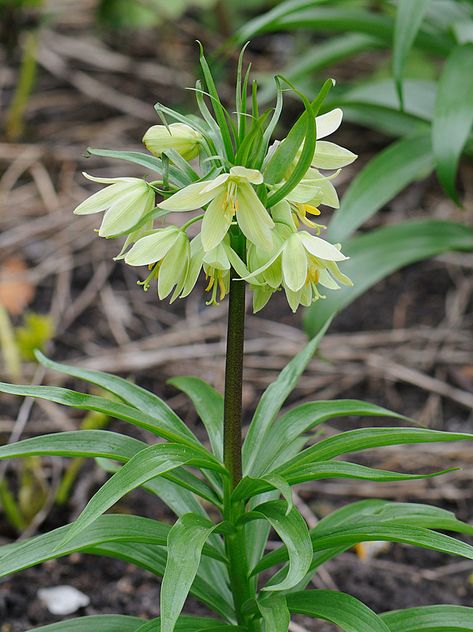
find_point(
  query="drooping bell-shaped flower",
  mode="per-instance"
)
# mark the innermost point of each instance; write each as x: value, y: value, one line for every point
x: 216, y: 264
x: 125, y: 201
x: 166, y: 251
x: 230, y: 197
x: 178, y: 136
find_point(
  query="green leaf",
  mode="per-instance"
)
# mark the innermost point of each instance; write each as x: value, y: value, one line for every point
x: 185, y: 543
x: 144, y: 160
x: 377, y: 254
x: 430, y: 619
x: 272, y: 400
x: 276, y: 616
x: 188, y: 624
x: 409, y: 18
x: 365, y: 438
x: 153, y: 559
x: 95, y: 623
x: 162, y: 428
x: 249, y: 487
x: 293, y: 531
x: 125, y: 390
x: 297, y: 421
x: 345, y: 611
x: 109, y: 528
x: 144, y: 466
x: 208, y: 403
x: 391, y: 171
x: 453, y: 115
x: 88, y: 443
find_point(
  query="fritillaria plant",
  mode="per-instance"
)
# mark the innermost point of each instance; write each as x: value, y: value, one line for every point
x: 251, y: 202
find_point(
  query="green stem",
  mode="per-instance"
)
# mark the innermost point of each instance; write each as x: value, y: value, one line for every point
x: 235, y: 543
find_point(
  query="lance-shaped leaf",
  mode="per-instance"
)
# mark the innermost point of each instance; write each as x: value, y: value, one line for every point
x: 380, y: 252
x: 144, y: 160
x: 272, y: 400
x: 87, y: 443
x: 208, y: 403
x: 153, y: 559
x: 185, y: 542
x: 365, y: 438
x: 189, y: 624
x: 132, y: 415
x: 144, y: 466
x: 249, y: 487
x: 349, y: 614
x: 408, y: 20
x: 430, y: 619
x: 388, y: 173
x: 453, y: 116
x: 299, y: 420
x: 130, y: 393
x: 293, y: 531
x: 104, y: 623
x: 275, y: 613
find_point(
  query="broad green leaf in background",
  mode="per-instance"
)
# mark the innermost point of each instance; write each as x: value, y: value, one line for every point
x: 189, y: 624
x: 379, y: 253
x: 273, y: 398
x: 144, y: 466
x: 104, y: 623
x: 186, y: 540
x: 409, y: 16
x: 276, y: 616
x: 430, y: 619
x: 349, y: 614
x: 293, y: 531
x: 208, y: 403
x: 391, y: 171
x: 130, y: 393
x: 453, y: 116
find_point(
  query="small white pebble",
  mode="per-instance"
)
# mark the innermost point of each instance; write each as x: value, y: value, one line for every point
x: 63, y: 600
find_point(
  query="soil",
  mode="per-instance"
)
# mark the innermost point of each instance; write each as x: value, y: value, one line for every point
x: 419, y: 300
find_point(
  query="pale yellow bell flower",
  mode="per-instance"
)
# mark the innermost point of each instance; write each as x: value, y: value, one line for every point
x: 178, y: 136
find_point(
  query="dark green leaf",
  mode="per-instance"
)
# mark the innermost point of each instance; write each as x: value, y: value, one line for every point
x: 275, y: 613
x: 430, y: 619
x: 130, y: 393
x: 96, y: 623
x: 187, y: 624
x: 453, y: 115
x: 345, y: 611
x: 208, y: 403
x: 273, y: 398
x: 408, y: 20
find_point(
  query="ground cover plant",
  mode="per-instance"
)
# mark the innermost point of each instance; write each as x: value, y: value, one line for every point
x: 259, y: 199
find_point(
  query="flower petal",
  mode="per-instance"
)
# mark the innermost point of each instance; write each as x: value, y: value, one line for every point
x: 215, y: 223
x: 331, y: 156
x: 126, y: 212
x: 261, y: 295
x: 110, y: 180
x: 327, y: 281
x: 189, y: 198
x: 174, y: 266
x: 152, y: 247
x: 320, y: 248
x: 217, y: 257
x: 293, y: 298
x: 103, y: 199
x: 253, y: 219
x: 294, y: 263
x: 328, y: 123
x: 326, y: 193
x: 195, y: 266
x: 252, y: 175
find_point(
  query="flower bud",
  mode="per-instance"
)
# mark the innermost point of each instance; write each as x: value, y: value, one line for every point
x: 178, y: 136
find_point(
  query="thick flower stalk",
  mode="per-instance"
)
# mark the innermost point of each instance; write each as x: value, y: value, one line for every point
x: 256, y: 206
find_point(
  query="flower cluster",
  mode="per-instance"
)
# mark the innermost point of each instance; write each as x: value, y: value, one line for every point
x: 255, y: 203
